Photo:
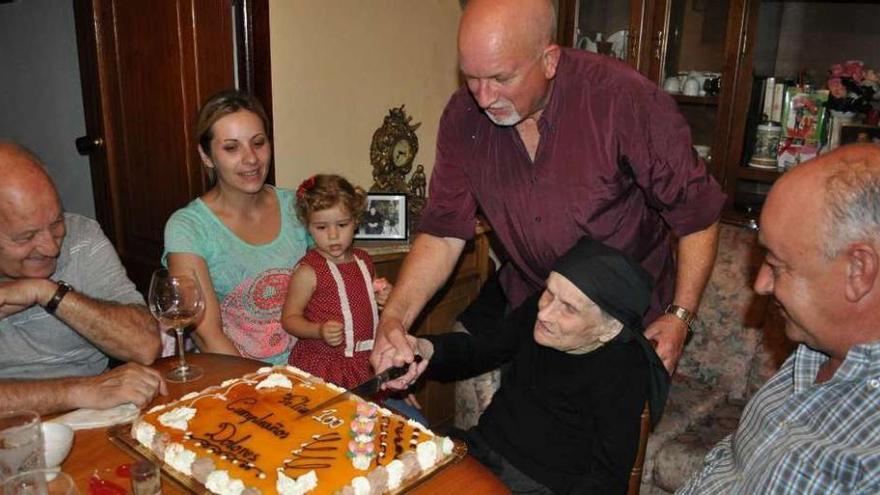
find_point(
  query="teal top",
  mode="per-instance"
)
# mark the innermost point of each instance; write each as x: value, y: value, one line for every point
x: 250, y: 280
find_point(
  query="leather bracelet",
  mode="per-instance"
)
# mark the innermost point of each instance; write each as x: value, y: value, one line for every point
x: 63, y: 289
x: 682, y: 314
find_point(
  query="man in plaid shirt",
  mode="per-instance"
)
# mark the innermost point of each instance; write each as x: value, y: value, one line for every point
x: 814, y: 427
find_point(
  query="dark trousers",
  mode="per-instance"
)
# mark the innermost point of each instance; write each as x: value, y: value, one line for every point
x: 515, y: 480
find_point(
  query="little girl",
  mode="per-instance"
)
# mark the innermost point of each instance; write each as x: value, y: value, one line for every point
x: 332, y: 300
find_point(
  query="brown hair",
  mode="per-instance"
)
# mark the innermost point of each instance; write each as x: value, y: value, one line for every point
x: 323, y: 191
x: 218, y: 106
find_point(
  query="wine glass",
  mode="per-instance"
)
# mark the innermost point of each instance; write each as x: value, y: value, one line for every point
x: 176, y: 301
x: 21, y: 443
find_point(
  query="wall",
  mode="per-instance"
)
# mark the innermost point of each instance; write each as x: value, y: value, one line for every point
x: 40, y: 95
x: 339, y: 66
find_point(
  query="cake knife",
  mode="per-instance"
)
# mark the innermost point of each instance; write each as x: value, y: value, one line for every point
x: 367, y: 388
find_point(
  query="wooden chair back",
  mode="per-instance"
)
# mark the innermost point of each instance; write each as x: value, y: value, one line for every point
x: 635, y: 476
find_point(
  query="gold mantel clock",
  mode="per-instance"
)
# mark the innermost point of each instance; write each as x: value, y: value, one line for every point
x: 392, y: 152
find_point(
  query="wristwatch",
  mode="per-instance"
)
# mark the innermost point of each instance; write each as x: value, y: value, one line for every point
x: 682, y: 314
x: 63, y: 289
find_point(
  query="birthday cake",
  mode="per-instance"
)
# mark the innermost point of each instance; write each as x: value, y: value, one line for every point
x: 258, y: 434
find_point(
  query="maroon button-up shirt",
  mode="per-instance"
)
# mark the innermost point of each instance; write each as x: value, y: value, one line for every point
x: 614, y: 162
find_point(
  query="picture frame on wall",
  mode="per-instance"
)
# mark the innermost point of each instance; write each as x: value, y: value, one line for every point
x: 859, y: 133
x: 385, y: 218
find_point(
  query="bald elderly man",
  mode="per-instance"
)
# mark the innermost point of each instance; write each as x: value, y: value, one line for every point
x: 66, y: 305
x: 552, y: 144
x: 814, y: 427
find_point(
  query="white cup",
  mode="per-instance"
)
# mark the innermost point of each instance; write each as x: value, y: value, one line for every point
x: 691, y: 87
x: 57, y: 441
x: 672, y: 85
x: 585, y: 43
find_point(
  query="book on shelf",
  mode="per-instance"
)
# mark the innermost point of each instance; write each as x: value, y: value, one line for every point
x: 778, y: 100
x: 768, y: 87
x: 754, y: 117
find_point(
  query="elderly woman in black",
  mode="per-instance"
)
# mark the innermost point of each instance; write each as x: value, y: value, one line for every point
x: 566, y: 417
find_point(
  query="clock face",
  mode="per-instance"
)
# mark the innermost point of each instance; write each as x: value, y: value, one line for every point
x: 402, y: 152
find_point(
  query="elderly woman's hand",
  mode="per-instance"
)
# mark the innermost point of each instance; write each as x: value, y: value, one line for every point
x: 424, y: 349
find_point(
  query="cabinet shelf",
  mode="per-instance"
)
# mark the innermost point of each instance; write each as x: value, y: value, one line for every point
x: 711, y: 101
x: 757, y: 174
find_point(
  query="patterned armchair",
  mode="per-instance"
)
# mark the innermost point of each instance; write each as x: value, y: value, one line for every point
x: 737, y: 344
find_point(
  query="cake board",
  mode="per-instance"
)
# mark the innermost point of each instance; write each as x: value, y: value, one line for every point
x: 120, y: 435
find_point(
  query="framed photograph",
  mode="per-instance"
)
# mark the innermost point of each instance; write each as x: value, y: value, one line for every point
x: 385, y: 218
x: 857, y: 133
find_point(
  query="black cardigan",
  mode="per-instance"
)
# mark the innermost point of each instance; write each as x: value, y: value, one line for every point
x: 571, y: 422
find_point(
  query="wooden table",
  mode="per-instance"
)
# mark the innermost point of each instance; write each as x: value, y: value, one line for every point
x: 94, y: 453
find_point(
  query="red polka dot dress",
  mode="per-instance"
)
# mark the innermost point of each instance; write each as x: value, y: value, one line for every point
x: 343, y: 293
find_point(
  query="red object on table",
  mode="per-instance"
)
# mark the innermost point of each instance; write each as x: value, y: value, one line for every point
x: 100, y: 486
x: 124, y: 470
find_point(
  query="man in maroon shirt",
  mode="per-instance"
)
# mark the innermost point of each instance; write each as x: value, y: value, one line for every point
x: 552, y: 144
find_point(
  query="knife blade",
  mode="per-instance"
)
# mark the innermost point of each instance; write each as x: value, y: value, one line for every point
x: 367, y: 388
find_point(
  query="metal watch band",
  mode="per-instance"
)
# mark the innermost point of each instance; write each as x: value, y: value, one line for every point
x: 682, y: 314
x: 63, y: 289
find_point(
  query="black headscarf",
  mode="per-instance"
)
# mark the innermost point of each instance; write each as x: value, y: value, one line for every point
x: 622, y: 288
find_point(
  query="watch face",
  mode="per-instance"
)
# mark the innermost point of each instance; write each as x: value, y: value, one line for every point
x: 402, y: 152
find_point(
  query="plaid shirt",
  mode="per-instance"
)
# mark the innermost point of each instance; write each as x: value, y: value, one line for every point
x: 798, y: 437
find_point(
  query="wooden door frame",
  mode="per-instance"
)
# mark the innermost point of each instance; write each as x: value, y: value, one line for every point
x: 252, y: 39
x: 88, y: 48
x: 253, y: 57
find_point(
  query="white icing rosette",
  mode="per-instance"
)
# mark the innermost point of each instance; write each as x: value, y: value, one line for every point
x: 180, y: 458
x: 177, y: 418
x: 446, y: 445
x: 360, y: 485
x: 219, y: 482
x: 275, y: 380
x: 426, y: 453
x: 395, y: 474
x: 144, y: 433
x: 286, y: 485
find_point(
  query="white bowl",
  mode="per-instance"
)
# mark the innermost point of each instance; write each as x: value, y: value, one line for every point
x: 57, y: 440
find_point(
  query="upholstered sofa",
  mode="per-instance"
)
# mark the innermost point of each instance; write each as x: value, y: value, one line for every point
x: 737, y: 344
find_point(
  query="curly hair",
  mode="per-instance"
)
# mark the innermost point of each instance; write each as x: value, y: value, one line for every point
x: 323, y: 191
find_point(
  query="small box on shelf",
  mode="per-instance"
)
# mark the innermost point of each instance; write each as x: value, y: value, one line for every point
x: 804, y: 114
x: 793, y: 151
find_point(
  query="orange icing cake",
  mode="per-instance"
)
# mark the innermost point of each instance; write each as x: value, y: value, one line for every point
x: 249, y: 436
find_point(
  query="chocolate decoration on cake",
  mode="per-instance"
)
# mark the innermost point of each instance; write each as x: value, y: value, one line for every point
x: 314, y: 446
x: 383, y: 437
x: 398, y: 439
